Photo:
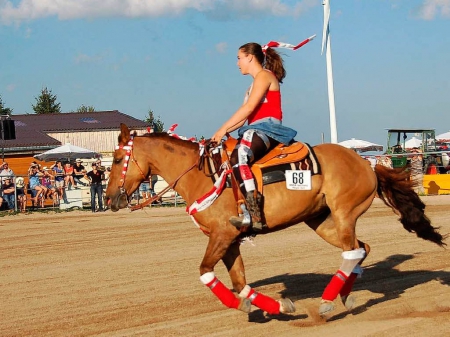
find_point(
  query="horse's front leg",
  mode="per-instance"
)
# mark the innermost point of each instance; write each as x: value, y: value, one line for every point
x: 247, y: 296
x: 219, y: 248
x: 233, y: 262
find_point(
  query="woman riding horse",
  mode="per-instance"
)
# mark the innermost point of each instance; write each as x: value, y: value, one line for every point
x: 339, y: 195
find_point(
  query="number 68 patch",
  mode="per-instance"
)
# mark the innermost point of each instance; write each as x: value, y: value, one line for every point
x: 298, y: 180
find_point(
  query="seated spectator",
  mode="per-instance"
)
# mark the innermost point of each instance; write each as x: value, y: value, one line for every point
x: 21, y: 195
x: 47, y: 181
x: 8, y: 192
x: 59, y: 175
x: 68, y: 178
x: 37, y: 190
x: 78, y: 172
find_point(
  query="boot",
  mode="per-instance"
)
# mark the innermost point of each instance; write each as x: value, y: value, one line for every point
x: 254, y: 201
x: 254, y: 204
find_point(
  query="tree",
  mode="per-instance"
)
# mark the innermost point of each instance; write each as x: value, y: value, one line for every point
x: 156, y: 123
x: 4, y: 110
x: 46, y: 103
x: 83, y: 109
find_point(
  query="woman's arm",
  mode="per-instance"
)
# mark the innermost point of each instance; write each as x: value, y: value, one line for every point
x: 261, y: 85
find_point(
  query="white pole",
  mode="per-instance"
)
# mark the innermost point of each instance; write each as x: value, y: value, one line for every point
x: 327, y: 40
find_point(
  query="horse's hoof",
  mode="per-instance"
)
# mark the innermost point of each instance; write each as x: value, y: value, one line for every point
x: 325, y: 308
x: 348, y: 301
x: 286, y: 306
x: 245, y: 305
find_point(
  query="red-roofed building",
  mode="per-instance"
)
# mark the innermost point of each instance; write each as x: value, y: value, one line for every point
x: 97, y: 131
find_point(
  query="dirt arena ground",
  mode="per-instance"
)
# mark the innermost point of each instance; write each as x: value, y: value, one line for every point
x: 136, y: 274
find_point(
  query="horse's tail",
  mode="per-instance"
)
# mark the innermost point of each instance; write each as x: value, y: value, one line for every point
x: 396, y: 190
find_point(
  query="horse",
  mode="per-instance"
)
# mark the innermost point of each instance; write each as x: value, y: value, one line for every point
x: 339, y: 195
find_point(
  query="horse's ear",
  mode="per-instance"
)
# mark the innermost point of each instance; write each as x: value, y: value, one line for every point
x: 124, y: 136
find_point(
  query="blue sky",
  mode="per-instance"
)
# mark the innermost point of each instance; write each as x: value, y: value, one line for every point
x: 178, y: 57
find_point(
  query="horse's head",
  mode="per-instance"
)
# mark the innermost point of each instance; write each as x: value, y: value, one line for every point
x: 129, y: 169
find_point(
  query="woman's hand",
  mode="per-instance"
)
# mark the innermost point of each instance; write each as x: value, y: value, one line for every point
x: 217, y: 137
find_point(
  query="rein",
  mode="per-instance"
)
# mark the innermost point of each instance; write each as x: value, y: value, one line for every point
x: 158, y: 196
x: 130, y: 155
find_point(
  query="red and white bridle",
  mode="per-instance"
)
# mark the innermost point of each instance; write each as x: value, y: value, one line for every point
x: 128, y: 155
x: 128, y: 148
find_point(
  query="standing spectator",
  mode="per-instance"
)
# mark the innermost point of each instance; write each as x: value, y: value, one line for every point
x: 5, y: 171
x: 21, y: 195
x: 8, y: 192
x: 95, y: 177
x: 58, y: 170
x: 100, y: 167
x: 417, y: 170
x: 144, y: 189
x: 153, y: 181
x: 78, y: 172
x: 68, y: 171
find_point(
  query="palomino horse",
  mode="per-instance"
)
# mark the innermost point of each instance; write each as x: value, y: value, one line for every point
x: 342, y: 192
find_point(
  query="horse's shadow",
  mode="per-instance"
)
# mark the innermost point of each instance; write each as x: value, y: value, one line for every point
x: 381, y: 278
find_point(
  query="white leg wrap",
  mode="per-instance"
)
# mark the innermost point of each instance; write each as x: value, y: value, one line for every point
x: 351, y: 259
x: 244, y: 292
x: 207, y: 277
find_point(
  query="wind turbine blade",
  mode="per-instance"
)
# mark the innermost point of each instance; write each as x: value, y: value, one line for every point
x: 326, y: 23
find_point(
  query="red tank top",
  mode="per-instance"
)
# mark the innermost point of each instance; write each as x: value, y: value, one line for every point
x: 270, y: 106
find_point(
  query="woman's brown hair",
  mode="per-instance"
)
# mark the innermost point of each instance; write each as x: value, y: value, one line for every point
x: 270, y: 60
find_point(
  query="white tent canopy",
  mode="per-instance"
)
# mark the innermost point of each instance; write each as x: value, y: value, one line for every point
x: 443, y: 136
x: 413, y: 142
x: 361, y: 145
x: 67, y: 152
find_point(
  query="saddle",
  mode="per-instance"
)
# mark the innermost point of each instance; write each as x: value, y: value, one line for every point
x: 271, y: 168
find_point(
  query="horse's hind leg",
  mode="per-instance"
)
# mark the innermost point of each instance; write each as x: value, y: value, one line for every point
x: 355, y: 251
x: 233, y: 261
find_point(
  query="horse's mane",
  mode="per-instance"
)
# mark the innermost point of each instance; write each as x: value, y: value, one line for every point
x: 164, y: 136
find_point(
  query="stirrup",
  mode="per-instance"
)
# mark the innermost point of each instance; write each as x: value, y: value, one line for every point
x: 243, y: 220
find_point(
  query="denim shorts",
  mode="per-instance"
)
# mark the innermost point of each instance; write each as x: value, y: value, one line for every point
x: 274, y: 130
x: 144, y: 187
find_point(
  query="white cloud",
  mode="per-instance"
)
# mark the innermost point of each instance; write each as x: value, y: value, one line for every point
x: 430, y: 9
x: 221, y: 47
x: 16, y: 11
x: 84, y: 58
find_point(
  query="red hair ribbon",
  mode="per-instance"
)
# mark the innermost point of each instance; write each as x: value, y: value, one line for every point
x: 275, y: 44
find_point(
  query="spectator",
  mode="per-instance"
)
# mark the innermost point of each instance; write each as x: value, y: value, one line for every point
x: 48, y: 182
x: 37, y: 190
x: 153, y: 181
x: 58, y: 170
x: 100, y: 167
x: 417, y: 170
x: 68, y: 178
x: 8, y: 192
x: 95, y: 177
x: 144, y: 190
x: 21, y: 195
x: 78, y: 172
x: 5, y: 171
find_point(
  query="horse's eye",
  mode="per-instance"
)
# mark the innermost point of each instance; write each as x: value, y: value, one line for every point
x: 117, y: 160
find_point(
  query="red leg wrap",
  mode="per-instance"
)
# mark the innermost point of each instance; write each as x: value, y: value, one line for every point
x: 223, y: 294
x: 334, y: 287
x: 348, y: 286
x: 264, y: 302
